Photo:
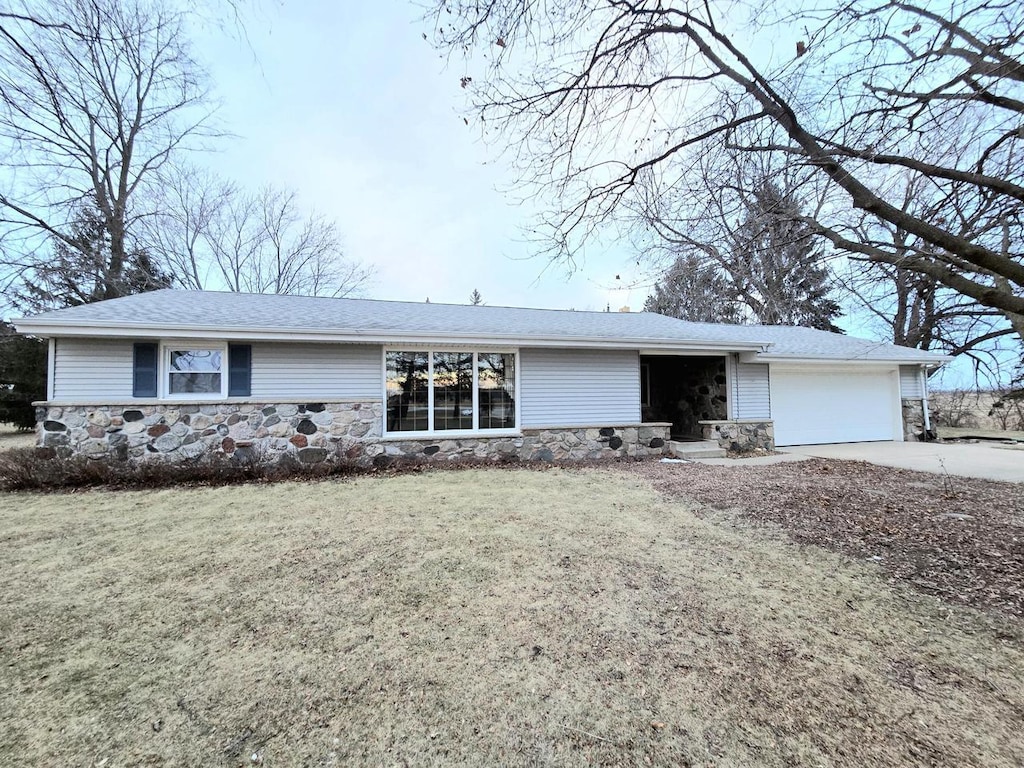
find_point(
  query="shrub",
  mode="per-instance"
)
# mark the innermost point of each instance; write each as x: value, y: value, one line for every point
x: 955, y: 408
x: 1008, y: 409
x: 39, y: 469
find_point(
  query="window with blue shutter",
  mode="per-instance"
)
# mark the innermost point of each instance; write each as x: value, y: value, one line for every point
x: 145, y: 362
x: 239, y: 370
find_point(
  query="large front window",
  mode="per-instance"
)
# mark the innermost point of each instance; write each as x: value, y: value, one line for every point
x: 195, y: 371
x: 450, y: 391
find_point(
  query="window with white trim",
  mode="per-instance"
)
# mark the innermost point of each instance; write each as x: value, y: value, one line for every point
x: 194, y: 371
x: 449, y: 391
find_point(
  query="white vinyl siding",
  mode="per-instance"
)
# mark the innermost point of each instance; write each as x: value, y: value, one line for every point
x: 92, y: 369
x: 316, y: 372
x: 911, y: 382
x: 579, y: 387
x: 751, y: 391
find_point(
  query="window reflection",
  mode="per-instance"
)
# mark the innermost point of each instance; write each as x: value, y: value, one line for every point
x: 406, y: 384
x: 443, y: 391
x: 453, y: 390
x: 194, y: 371
x: 496, y: 383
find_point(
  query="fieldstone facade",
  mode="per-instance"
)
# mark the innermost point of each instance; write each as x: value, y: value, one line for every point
x: 545, y: 444
x: 913, y: 420
x: 310, y: 433
x: 742, y: 435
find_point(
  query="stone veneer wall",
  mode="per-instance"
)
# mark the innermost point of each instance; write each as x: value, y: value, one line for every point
x: 312, y: 432
x: 544, y: 444
x: 913, y: 420
x: 741, y: 435
x: 309, y: 432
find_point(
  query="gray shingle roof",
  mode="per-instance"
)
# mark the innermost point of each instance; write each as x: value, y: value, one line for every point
x: 174, y: 311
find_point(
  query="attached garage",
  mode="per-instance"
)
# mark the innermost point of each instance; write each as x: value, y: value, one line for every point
x: 835, y: 405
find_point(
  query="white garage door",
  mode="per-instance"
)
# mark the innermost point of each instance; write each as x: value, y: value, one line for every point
x: 834, y: 406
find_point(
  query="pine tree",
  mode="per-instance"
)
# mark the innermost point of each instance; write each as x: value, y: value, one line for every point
x: 769, y: 270
x: 78, y: 273
x: 22, y: 377
x: 696, y: 290
x: 776, y: 265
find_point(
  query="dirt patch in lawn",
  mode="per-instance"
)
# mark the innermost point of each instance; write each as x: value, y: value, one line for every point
x: 484, y: 617
x: 961, y: 539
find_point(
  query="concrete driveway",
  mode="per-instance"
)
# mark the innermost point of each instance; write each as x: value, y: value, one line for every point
x: 989, y: 461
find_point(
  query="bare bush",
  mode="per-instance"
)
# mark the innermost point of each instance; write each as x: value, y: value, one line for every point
x: 1008, y: 410
x: 956, y: 408
x: 36, y: 469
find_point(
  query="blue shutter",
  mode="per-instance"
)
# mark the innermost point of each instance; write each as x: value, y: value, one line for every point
x: 239, y: 370
x: 144, y: 362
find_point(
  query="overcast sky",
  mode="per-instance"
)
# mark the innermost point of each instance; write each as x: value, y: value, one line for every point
x: 347, y: 104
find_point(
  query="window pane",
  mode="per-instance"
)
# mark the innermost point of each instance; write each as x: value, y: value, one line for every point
x: 192, y: 383
x: 497, y: 382
x: 194, y: 371
x: 407, y: 391
x: 196, y: 360
x: 453, y: 390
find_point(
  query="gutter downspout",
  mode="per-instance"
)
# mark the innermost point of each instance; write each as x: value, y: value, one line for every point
x: 924, y: 404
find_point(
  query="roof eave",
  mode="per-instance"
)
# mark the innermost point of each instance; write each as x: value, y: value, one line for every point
x: 767, y: 357
x: 97, y: 329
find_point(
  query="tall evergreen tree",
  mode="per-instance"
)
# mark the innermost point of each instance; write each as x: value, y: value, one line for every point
x: 776, y: 266
x: 695, y: 289
x: 79, y: 273
x: 22, y: 377
x: 767, y: 269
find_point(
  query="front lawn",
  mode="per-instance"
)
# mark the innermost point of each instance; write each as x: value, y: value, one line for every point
x: 10, y: 437
x: 481, y: 617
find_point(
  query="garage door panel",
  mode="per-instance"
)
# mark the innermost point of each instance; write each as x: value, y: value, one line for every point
x: 814, y: 407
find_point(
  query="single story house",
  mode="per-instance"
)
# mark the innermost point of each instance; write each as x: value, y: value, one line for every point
x: 178, y: 373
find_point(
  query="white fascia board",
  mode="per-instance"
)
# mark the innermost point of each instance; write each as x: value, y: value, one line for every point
x: 934, y: 361
x: 105, y: 330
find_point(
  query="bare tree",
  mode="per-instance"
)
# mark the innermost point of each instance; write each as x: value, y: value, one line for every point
x: 185, y: 206
x: 95, y: 97
x: 915, y: 309
x: 598, y: 97
x: 217, y: 236
x: 264, y: 244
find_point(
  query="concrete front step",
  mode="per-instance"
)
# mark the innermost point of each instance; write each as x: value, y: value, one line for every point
x: 700, y: 449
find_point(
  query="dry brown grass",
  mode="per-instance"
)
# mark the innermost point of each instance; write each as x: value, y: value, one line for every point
x: 485, y: 617
x: 12, y: 438
x: 970, y: 413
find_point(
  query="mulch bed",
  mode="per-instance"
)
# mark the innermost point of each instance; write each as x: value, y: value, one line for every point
x: 961, y: 539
